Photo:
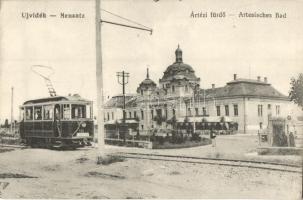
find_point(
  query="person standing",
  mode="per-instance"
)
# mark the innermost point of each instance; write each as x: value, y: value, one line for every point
x: 291, y: 140
x: 213, y: 137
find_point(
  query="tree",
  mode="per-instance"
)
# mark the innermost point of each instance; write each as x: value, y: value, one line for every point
x: 6, y: 125
x: 296, y: 90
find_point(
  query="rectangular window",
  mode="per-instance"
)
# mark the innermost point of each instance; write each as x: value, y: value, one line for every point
x: 89, y: 112
x: 236, y: 113
x: 218, y: 110
x: 130, y: 114
x: 277, y: 109
x: 260, y: 110
x: 173, y: 88
x: 66, y: 111
x: 189, y: 112
x: 197, y: 111
x: 204, y: 111
x: 113, y: 116
x: 166, y: 113
x: 159, y: 112
x: 226, y: 110
x: 107, y: 116
x: 142, y: 114
x: 186, y: 88
x: 78, y: 111
x: 38, y: 112
x: 152, y: 114
x: 48, y: 112
x: 29, y: 113
x: 21, y: 114
x: 135, y: 114
x: 269, y: 106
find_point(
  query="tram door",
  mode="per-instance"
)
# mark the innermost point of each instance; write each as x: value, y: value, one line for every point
x: 57, y: 121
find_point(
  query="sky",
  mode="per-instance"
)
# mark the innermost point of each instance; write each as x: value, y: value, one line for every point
x: 216, y: 48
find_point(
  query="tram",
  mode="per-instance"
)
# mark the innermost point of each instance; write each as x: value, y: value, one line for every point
x: 57, y: 121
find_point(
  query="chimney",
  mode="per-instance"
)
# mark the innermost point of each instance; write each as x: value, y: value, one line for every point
x: 213, y: 86
x: 235, y: 76
x: 259, y: 78
x: 265, y: 79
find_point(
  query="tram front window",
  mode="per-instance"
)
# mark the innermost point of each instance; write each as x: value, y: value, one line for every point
x: 78, y: 111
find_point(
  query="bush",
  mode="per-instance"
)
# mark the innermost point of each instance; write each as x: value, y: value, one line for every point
x: 108, y: 159
x: 195, y: 137
x: 186, y: 144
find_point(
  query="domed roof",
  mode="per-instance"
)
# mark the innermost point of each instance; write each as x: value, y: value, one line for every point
x: 178, y: 70
x: 147, y: 83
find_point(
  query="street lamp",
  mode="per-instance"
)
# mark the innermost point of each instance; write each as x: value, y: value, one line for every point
x: 194, y: 86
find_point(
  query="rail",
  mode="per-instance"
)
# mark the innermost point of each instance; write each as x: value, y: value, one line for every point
x: 217, y: 161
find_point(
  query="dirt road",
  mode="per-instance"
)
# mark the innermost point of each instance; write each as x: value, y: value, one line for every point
x: 74, y: 174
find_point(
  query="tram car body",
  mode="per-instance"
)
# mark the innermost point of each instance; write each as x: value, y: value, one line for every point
x: 59, y: 121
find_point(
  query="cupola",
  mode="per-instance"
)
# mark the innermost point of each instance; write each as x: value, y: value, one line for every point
x: 178, y: 53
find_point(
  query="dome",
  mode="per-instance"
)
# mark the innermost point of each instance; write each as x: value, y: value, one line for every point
x: 147, y: 83
x: 179, y: 70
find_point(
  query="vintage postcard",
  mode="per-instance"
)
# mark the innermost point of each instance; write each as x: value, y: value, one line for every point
x: 151, y: 99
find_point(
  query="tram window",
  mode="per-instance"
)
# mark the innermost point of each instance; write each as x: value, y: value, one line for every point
x: 48, y: 112
x: 38, y: 112
x: 66, y: 111
x: 88, y: 112
x: 29, y: 113
x: 78, y: 111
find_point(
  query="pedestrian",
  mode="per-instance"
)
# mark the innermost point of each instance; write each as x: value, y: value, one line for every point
x: 213, y: 137
x: 284, y: 140
x: 291, y: 140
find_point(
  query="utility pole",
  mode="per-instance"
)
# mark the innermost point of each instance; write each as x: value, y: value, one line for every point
x: 99, y: 80
x: 194, y: 105
x: 12, y: 110
x: 99, y: 70
x: 123, y: 80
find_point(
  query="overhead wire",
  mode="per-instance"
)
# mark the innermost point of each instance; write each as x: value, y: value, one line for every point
x: 116, y: 15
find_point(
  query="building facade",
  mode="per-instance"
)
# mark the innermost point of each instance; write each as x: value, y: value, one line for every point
x: 248, y: 103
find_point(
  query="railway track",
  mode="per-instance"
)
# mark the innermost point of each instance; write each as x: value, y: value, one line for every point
x: 13, y: 146
x: 272, y: 166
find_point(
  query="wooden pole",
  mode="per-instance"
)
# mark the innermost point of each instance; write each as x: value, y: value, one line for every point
x: 12, y: 110
x: 99, y: 79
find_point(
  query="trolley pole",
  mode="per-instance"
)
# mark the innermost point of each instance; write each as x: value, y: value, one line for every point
x: 12, y: 110
x: 123, y: 80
